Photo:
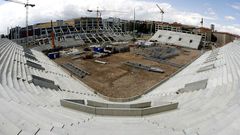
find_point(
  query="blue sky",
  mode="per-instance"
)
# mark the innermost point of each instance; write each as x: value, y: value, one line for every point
x: 225, y: 14
x: 221, y: 8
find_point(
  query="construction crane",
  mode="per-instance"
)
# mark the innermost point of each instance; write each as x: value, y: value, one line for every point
x: 26, y: 5
x: 99, y: 14
x: 201, y: 22
x: 161, y: 12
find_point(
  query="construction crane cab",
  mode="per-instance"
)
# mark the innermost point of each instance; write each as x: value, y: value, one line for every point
x: 30, y: 5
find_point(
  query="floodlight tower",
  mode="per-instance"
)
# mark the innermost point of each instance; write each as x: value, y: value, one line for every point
x: 26, y: 5
x: 161, y: 12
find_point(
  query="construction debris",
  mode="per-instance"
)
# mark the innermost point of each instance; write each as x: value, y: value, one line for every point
x: 100, y: 55
x: 87, y: 55
x: 163, y: 53
x: 75, y: 70
x: 144, y: 43
x: 120, y: 49
x: 73, y: 52
x: 76, y: 57
x: 144, y: 67
x: 110, y: 49
x: 119, y: 43
x: 164, y: 62
x: 160, y: 52
x: 101, y: 62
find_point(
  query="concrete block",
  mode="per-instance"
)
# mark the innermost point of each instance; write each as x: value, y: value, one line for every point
x: 141, y: 105
x: 27, y: 50
x: 158, y: 109
x: 206, y: 68
x: 79, y: 107
x: 105, y: 105
x: 96, y: 104
x: 30, y: 56
x: 76, y: 101
x: 210, y: 60
x: 194, y: 86
x: 42, y: 82
x: 118, y: 112
x: 119, y: 106
x: 124, y: 109
x: 35, y: 65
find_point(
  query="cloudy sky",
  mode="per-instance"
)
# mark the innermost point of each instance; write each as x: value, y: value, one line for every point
x: 225, y: 14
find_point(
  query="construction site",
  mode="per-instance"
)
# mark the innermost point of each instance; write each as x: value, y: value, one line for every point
x: 94, y: 75
x: 108, y: 55
x: 116, y: 58
x: 113, y: 62
x: 124, y: 71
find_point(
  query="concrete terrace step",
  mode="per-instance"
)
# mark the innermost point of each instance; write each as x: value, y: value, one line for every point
x: 30, y: 109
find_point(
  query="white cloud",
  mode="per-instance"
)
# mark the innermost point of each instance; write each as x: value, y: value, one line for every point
x: 47, y: 10
x: 230, y: 18
x: 236, y: 6
x: 211, y: 12
x: 235, y: 28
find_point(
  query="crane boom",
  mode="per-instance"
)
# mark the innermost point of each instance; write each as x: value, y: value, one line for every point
x: 161, y: 10
x: 114, y: 11
x: 26, y: 5
x: 99, y: 14
x: 100, y: 11
x: 15, y: 1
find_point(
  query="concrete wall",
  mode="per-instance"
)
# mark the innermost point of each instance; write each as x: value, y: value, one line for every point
x: 42, y: 82
x: 106, y: 105
x: 224, y: 38
x: 159, y: 109
x: 177, y: 38
x: 118, y: 111
x: 79, y: 107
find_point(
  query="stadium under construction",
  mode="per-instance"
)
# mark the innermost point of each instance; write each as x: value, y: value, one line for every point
x: 90, y: 75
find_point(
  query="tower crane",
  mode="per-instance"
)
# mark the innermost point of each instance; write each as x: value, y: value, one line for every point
x: 202, y: 22
x: 26, y: 5
x: 99, y: 14
x: 161, y: 11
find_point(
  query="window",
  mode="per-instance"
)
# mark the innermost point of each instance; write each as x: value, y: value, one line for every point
x: 180, y: 39
x: 169, y: 38
x: 159, y: 36
x: 191, y: 41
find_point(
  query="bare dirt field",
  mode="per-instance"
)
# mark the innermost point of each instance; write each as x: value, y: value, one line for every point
x: 185, y: 57
x: 118, y: 80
